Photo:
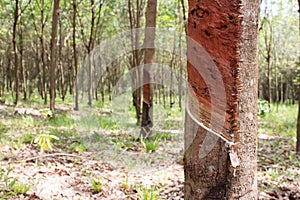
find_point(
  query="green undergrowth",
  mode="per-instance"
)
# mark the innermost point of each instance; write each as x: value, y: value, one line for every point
x: 10, y: 186
x: 280, y: 121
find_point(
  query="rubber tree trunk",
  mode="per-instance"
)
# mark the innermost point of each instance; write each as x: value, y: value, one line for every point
x: 216, y: 25
x: 148, y: 61
x: 75, y: 78
x: 298, y: 121
x: 55, y: 14
x: 15, y: 50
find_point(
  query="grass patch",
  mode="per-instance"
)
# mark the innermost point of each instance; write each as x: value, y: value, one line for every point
x: 281, y: 120
x: 61, y: 120
x: 148, y: 194
x: 150, y: 145
x: 161, y: 136
x: 96, y: 185
x: 10, y: 186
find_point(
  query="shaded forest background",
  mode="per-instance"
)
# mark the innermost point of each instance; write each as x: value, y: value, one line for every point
x: 25, y: 46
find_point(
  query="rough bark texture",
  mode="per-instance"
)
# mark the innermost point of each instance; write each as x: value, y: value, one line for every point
x: 232, y: 44
x: 148, y: 61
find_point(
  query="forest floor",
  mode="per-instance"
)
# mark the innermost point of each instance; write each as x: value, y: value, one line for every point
x: 109, y: 163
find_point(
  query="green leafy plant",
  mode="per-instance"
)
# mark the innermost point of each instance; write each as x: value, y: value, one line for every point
x: 263, y: 107
x: 273, y: 173
x: 26, y: 138
x: 96, y: 185
x: 148, y: 194
x: 162, y: 136
x: 20, y: 188
x: 11, y: 187
x: 126, y: 184
x: 150, y: 145
x: 80, y: 148
x: 44, y: 141
x: 47, y: 113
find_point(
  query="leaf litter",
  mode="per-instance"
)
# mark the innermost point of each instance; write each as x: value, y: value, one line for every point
x: 60, y: 175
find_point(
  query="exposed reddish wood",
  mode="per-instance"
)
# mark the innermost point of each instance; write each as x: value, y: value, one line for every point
x: 216, y: 25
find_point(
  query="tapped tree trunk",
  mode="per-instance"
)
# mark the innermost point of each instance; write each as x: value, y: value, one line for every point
x: 148, y: 61
x: 231, y: 43
x: 55, y: 14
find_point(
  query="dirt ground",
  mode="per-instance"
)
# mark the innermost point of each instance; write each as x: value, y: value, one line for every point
x: 105, y: 170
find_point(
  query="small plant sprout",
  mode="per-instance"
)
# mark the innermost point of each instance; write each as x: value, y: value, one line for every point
x: 10, y: 186
x: 149, y: 145
x: 44, y: 141
x: 96, y: 185
x: 148, y: 194
x: 126, y: 184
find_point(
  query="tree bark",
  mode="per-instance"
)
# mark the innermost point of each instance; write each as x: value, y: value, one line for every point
x: 15, y: 50
x: 298, y: 121
x: 75, y: 54
x: 55, y: 14
x: 44, y: 63
x: 148, y: 61
x: 216, y: 25
x: 134, y: 62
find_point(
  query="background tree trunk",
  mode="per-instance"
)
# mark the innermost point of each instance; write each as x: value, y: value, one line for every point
x: 212, y: 176
x: 148, y: 61
x: 53, y: 53
x: 15, y: 50
x: 75, y: 79
x: 298, y: 121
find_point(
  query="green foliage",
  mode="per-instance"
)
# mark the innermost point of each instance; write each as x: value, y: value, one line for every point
x: 126, y: 185
x: 263, y: 107
x: 25, y: 138
x: 61, y: 120
x: 47, y: 113
x: 96, y: 185
x: 44, y: 141
x: 107, y: 123
x: 2, y: 128
x: 148, y: 194
x: 20, y: 188
x: 162, y: 136
x: 10, y: 186
x: 80, y: 148
x: 273, y: 173
x: 150, y: 145
x: 282, y: 122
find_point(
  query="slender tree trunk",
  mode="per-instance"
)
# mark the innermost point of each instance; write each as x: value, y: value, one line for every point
x: 148, y: 61
x: 213, y: 175
x: 62, y: 83
x: 135, y: 60
x: 298, y: 121
x: 44, y: 91
x: 22, y: 67
x: 15, y: 50
x: 2, y: 81
x: 75, y: 54
x: 268, y: 43
x: 90, y: 48
x: 55, y: 14
x: 180, y: 59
